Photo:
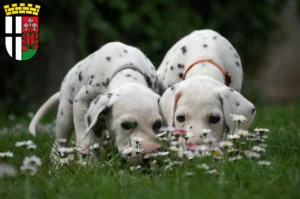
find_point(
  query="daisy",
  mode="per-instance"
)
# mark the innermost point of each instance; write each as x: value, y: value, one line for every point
x: 225, y: 144
x: 261, y: 130
x: 258, y: 149
x: 189, y: 134
x: 61, y: 140
x: 235, y: 158
x: 168, y: 167
x: 233, y: 137
x: 210, y: 141
x: 18, y: 144
x: 212, y: 171
x: 31, y: 146
x: 33, y: 161
x: 94, y: 146
x: 202, y: 166
x: 30, y: 115
x: 189, y: 174
x: 63, y: 160
x: 137, y: 139
x: 161, y: 134
x: 252, y: 155
x: 264, y: 163
x: 28, y: 170
x: 238, y: 118
x: 138, y: 150
x: 202, y: 148
x: 189, y: 155
x: 7, y: 170
x: 242, y: 133
x: 127, y: 151
x: 205, y: 132
x: 163, y: 153
x: 66, y: 149
x: 7, y: 154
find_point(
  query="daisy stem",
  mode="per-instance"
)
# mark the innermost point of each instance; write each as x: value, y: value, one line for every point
x: 27, y: 188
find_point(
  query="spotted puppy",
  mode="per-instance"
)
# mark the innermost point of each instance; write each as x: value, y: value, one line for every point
x: 202, y: 102
x: 117, y: 82
x: 202, y: 52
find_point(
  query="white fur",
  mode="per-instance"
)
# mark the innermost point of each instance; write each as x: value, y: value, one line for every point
x: 199, y: 45
x: 91, y: 78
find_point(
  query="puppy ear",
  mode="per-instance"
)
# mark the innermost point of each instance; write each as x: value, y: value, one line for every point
x: 99, y: 107
x: 168, y: 104
x: 234, y: 103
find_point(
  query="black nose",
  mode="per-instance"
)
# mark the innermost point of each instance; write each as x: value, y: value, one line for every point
x: 253, y: 110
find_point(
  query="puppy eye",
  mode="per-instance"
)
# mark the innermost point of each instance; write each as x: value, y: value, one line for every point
x: 180, y: 118
x: 214, y: 119
x: 128, y: 125
x: 157, y: 125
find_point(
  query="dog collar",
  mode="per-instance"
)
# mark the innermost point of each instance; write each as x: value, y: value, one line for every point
x: 227, y: 75
x: 127, y: 66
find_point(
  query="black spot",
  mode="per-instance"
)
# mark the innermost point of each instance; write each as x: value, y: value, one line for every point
x: 183, y: 49
x: 180, y: 75
x: 88, y: 120
x: 79, y: 66
x: 135, y: 78
x: 180, y: 66
x: 237, y: 63
x: 171, y: 68
x: 237, y: 104
x: 90, y: 82
x: 91, y: 55
x: 80, y: 76
x: 203, y: 64
x: 155, y: 84
x: 70, y: 101
x: 73, y: 89
x: 108, y: 58
x: 231, y: 89
x: 109, y: 95
x: 221, y: 101
x: 86, y: 91
x: 61, y: 112
x: 97, y: 84
x: 92, y: 76
x: 105, y: 84
x: 230, y: 48
x: 215, y: 37
x: 125, y: 51
x: 169, y: 86
x: 227, y: 129
x: 236, y: 55
x: 172, y: 88
x: 191, y: 127
x: 105, y: 111
x: 167, y: 62
x: 75, y: 101
x: 205, y: 45
x: 96, y: 100
x: 152, y: 76
x: 128, y: 75
x: 148, y: 80
x: 253, y: 110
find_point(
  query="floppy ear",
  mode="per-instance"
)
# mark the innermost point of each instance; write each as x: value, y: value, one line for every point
x: 234, y: 103
x: 98, y: 107
x: 168, y: 104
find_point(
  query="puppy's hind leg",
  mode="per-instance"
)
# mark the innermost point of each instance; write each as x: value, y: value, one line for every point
x: 64, y: 125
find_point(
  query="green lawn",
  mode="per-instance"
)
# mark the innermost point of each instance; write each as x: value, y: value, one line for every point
x: 242, y: 180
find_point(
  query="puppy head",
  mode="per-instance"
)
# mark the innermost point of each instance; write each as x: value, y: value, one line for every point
x: 203, y: 103
x: 131, y: 111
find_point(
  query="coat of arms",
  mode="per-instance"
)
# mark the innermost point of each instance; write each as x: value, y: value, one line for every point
x: 22, y: 30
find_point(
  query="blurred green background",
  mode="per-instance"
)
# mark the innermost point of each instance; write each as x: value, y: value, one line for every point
x: 72, y: 29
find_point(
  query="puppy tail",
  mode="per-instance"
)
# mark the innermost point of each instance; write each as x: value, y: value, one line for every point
x: 54, y: 99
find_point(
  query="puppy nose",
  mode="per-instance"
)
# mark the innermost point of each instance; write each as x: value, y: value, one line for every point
x: 253, y: 110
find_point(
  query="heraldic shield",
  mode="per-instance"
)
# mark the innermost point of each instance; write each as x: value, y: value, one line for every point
x: 22, y: 30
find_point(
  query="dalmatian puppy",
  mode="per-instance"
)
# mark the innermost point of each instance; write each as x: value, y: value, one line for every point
x: 202, y: 102
x: 117, y: 82
x: 202, y: 52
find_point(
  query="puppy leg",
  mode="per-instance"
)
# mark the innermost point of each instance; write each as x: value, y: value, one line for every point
x: 64, y: 124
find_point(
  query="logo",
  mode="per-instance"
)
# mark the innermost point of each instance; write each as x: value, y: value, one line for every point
x: 22, y: 30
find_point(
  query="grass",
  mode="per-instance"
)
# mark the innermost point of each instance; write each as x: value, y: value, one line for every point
x: 245, y: 180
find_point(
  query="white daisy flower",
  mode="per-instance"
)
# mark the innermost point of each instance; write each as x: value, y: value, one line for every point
x: 33, y: 161
x: 264, y: 163
x: 167, y: 160
x: 29, y: 142
x: 61, y: 140
x: 139, y: 150
x: 7, y: 154
x: 163, y: 153
x: 30, y: 115
x: 252, y: 155
x: 31, y: 146
x: 161, y: 134
x: 189, y: 155
x: 261, y: 130
x: 94, y: 146
x: 238, y: 118
x: 189, y: 134
x: 225, y: 144
x: 18, y: 144
x: 63, y: 160
x: 66, y: 149
x: 11, y: 117
x: 168, y: 167
x: 205, y: 132
x: 27, y: 169
x: 189, y: 173
x: 233, y: 137
x: 258, y: 149
x: 127, y: 151
x: 235, y: 158
x: 137, y: 139
x: 7, y: 170
x: 202, y: 147
x: 242, y: 132
x: 132, y: 168
x: 202, y: 166
x: 210, y: 141
x: 212, y: 171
